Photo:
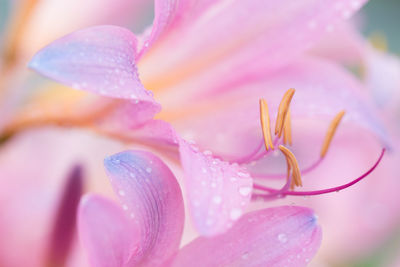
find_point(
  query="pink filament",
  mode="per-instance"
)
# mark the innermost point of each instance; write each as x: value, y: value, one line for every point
x: 316, y: 192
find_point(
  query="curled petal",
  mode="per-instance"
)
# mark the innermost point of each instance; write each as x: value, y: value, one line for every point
x: 283, y: 236
x: 218, y: 192
x: 109, y: 237
x: 99, y: 59
x: 151, y: 197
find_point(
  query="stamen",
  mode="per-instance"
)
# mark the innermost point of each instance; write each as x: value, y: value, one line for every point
x: 287, y: 130
x: 331, y: 132
x: 282, y: 111
x: 315, y: 192
x: 265, y: 124
x: 292, y: 164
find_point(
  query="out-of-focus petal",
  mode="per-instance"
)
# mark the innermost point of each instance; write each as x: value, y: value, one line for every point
x: 235, y: 35
x: 343, y: 44
x: 41, y: 29
x: 109, y: 237
x: 382, y: 76
x: 322, y: 90
x: 151, y: 197
x: 372, y: 202
x: 283, y: 236
x: 218, y: 192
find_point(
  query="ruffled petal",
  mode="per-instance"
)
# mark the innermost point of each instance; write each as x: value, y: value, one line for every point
x: 151, y: 197
x: 218, y: 192
x: 283, y: 236
x: 109, y: 237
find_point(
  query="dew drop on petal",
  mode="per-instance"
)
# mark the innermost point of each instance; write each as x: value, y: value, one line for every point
x: 282, y: 238
x: 245, y: 191
x: 235, y: 214
x: 217, y: 199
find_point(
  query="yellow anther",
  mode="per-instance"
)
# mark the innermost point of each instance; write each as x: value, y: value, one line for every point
x: 293, y: 165
x: 287, y: 130
x: 265, y: 124
x: 331, y: 132
x: 282, y: 111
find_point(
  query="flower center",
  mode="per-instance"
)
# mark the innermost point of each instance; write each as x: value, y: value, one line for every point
x: 283, y: 126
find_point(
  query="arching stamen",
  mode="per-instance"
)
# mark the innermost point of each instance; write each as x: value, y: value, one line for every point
x: 315, y: 192
x: 287, y: 130
x: 282, y: 111
x: 331, y: 132
x: 292, y: 163
x: 265, y: 124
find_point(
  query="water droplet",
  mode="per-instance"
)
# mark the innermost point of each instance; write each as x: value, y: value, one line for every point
x: 235, y: 214
x: 243, y: 174
x: 121, y: 192
x: 282, y: 238
x: 131, y: 174
x: 209, y: 222
x: 148, y: 170
x: 207, y: 152
x: 312, y: 24
x: 124, y: 207
x: 217, y: 199
x: 245, y: 256
x: 213, y: 185
x: 204, y: 170
x: 245, y: 191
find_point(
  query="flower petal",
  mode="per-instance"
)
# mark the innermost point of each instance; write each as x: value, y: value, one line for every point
x: 151, y: 197
x: 40, y: 30
x: 228, y: 35
x: 322, y: 90
x: 108, y: 236
x: 168, y: 13
x: 99, y: 59
x: 283, y: 236
x: 218, y: 192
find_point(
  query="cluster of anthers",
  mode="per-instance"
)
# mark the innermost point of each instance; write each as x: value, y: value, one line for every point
x: 293, y: 176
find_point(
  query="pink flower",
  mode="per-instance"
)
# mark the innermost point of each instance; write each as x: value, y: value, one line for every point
x: 107, y: 60
x: 208, y: 65
x: 147, y: 230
